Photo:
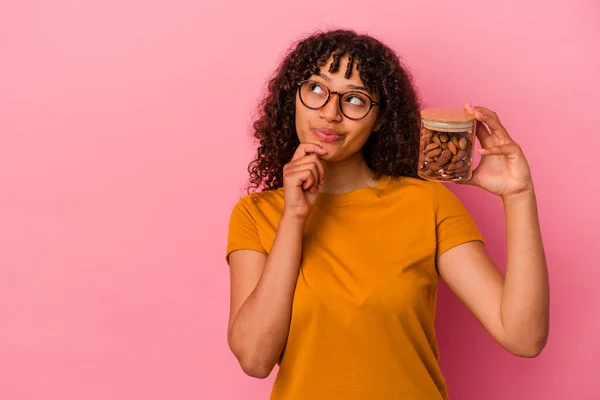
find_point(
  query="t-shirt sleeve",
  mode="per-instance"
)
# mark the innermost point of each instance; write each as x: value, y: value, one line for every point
x: 243, y: 233
x: 454, y: 224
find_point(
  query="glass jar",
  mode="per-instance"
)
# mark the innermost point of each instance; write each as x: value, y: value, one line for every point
x: 446, y: 146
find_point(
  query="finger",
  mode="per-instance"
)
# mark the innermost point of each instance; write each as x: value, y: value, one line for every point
x: 491, y: 119
x: 304, y: 175
x: 483, y: 135
x: 311, y: 183
x: 509, y: 149
x: 308, y: 148
x: 315, y: 175
x: 301, y: 179
x: 312, y: 159
x: 318, y: 168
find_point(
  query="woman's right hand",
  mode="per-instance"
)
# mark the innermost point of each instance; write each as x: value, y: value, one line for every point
x: 303, y: 176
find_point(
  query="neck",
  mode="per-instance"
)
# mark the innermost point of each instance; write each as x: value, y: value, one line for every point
x: 347, y: 175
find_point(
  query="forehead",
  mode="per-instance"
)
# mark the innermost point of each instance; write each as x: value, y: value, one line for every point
x: 338, y: 69
x: 343, y: 73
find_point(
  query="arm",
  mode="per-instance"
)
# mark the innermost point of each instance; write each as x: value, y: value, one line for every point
x: 262, y: 290
x: 514, y: 309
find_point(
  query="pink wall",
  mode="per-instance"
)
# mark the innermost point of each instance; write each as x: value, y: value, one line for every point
x: 124, y: 141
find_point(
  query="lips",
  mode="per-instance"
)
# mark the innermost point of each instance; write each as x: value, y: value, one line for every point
x: 327, y: 135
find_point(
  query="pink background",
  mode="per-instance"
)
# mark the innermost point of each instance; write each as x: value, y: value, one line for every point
x: 124, y: 145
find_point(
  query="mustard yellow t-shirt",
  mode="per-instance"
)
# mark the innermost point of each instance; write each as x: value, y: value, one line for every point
x: 362, y: 322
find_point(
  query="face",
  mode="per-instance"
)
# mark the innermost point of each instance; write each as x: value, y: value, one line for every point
x: 312, y: 125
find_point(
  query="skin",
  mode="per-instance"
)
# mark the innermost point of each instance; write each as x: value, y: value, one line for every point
x: 513, y: 308
x: 344, y: 164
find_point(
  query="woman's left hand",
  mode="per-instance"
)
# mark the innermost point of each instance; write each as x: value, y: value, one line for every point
x: 503, y: 169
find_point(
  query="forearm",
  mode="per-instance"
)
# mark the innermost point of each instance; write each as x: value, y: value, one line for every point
x: 525, y: 297
x: 261, y: 326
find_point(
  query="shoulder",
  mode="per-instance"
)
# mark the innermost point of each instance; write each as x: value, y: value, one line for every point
x: 260, y: 201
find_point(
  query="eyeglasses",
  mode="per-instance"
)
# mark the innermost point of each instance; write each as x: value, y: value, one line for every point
x: 354, y: 105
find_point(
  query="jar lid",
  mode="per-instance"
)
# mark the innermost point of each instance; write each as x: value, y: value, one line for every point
x: 447, y: 115
x: 450, y: 118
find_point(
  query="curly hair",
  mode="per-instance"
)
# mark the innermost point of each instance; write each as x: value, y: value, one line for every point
x: 392, y: 151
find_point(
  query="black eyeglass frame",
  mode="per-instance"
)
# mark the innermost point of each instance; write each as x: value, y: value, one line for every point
x: 340, y: 95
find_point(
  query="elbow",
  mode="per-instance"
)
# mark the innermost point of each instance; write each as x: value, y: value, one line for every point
x: 534, y: 350
x: 526, y: 343
x: 530, y: 353
x: 253, y: 365
x: 251, y: 362
x: 255, y: 369
x: 529, y: 350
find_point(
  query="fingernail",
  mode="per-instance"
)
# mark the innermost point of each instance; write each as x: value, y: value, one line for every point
x: 481, y: 151
x: 468, y: 106
x: 478, y: 114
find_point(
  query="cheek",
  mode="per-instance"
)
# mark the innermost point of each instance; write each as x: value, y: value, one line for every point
x: 301, y: 120
x: 299, y: 123
x: 359, y: 140
x: 298, y: 111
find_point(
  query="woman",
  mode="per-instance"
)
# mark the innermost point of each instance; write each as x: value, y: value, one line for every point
x: 335, y: 261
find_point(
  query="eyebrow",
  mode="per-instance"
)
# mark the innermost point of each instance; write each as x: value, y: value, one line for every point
x: 353, y: 87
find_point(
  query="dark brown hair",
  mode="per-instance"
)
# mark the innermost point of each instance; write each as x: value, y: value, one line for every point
x: 393, y: 150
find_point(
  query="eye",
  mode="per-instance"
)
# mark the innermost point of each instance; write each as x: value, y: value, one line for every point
x: 316, y: 88
x: 356, y: 99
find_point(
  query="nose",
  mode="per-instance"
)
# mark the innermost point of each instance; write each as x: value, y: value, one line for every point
x: 331, y: 110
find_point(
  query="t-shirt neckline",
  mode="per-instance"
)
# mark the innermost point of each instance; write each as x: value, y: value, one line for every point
x: 354, y: 195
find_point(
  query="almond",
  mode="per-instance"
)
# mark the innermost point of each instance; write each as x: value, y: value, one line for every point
x: 456, y: 165
x: 455, y: 139
x: 434, y: 152
x: 452, y: 148
x: 443, y: 160
x: 462, y: 169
